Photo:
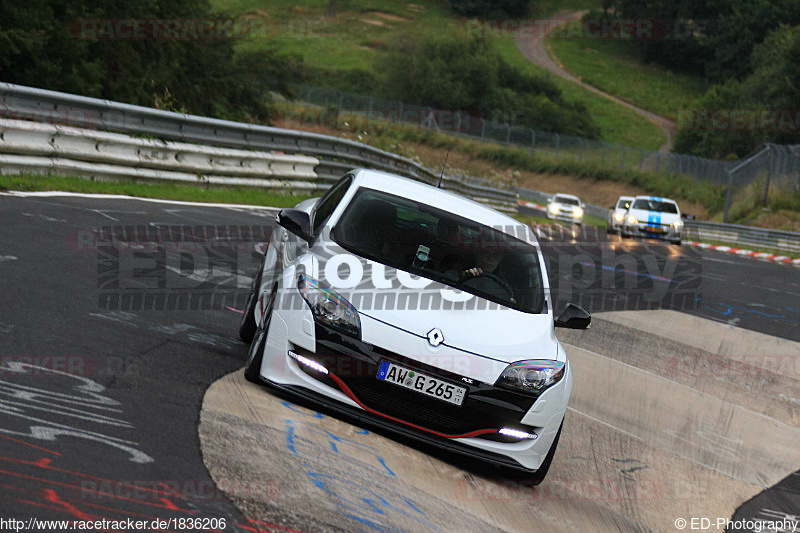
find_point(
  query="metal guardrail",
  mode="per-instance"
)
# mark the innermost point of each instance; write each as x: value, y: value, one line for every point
x: 27, y: 146
x: 747, y: 236
x: 698, y: 230
x: 336, y: 155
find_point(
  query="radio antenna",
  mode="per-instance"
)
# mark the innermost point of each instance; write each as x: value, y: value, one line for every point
x: 441, y: 175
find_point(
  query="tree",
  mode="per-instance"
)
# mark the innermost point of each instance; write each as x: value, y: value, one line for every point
x: 737, y: 116
x: 469, y: 75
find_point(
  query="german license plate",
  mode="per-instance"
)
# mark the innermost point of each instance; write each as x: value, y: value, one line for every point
x: 422, y: 383
x: 654, y: 229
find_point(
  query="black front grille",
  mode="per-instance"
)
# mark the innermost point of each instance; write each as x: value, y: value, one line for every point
x: 415, y: 408
x: 356, y: 364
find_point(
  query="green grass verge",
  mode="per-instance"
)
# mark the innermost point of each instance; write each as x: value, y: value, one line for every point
x: 613, y: 67
x: 350, y: 40
x: 187, y: 193
x: 617, y: 123
x: 395, y: 138
x: 361, y: 30
x: 588, y: 220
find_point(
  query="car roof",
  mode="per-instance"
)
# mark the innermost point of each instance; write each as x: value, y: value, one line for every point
x: 625, y: 198
x: 656, y: 198
x: 440, y: 198
x: 562, y: 195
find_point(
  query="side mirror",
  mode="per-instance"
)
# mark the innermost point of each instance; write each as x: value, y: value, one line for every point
x: 574, y: 317
x: 297, y: 222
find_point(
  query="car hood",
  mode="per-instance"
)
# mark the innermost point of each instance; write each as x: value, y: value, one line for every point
x: 416, y: 305
x: 500, y: 333
x: 654, y: 217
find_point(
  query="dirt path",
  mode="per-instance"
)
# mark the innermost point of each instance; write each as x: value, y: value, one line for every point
x: 534, y: 47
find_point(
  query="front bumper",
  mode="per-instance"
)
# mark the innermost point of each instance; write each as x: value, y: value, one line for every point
x: 565, y: 217
x: 663, y: 232
x: 351, y: 387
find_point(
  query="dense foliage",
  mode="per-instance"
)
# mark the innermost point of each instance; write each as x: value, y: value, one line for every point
x: 81, y: 46
x: 749, y: 50
x: 467, y: 74
x: 739, y: 115
x: 710, y: 37
x: 490, y: 8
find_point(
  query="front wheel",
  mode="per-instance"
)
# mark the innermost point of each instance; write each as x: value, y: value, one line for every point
x: 247, y: 327
x: 540, y: 474
x: 252, y: 369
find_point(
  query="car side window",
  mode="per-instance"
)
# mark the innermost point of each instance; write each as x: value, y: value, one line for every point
x: 327, y: 204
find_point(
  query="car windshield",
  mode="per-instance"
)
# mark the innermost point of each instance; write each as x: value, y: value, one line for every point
x: 568, y: 201
x: 655, y: 205
x: 444, y: 247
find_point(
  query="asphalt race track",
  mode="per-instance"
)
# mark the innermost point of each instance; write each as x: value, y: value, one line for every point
x: 122, y: 394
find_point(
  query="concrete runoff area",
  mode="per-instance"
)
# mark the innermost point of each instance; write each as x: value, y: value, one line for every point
x: 651, y: 435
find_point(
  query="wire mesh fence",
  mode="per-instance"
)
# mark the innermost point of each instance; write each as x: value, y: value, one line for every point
x: 772, y: 168
x: 783, y: 165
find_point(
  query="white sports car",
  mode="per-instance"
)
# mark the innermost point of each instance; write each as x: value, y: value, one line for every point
x: 655, y: 218
x: 419, y: 311
x: 617, y: 213
x: 565, y: 207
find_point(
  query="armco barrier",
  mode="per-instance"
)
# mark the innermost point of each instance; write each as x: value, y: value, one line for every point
x: 33, y: 147
x: 335, y: 155
x: 743, y: 236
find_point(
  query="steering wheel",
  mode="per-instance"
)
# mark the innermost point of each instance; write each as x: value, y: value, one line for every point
x: 497, y: 279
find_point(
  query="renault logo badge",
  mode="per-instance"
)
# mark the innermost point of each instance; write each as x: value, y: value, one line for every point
x: 435, y: 337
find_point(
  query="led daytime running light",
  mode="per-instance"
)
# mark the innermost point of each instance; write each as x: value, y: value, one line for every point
x: 517, y: 434
x: 308, y: 362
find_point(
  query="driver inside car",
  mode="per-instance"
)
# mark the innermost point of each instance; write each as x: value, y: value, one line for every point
x: 484, y: 274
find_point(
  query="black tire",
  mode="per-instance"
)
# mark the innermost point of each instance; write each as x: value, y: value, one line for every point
x: 252, y: 369
x: 540, y: 474
x: 247, y: 327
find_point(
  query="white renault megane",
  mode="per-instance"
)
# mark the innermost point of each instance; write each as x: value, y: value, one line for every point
x: 419, y: 311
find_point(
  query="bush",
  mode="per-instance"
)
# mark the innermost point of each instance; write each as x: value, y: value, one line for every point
x: 490, y: 8
x: 462, y: 74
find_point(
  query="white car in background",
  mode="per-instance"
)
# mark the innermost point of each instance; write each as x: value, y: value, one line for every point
x: 653, y: 217
x: 419, y: 311
x: 616, y: 216
x: 565, y: 207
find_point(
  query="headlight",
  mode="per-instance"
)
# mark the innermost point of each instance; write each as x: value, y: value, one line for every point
x: 578, y: 212
x: 532, y: 376
x: 632, y: 219
x: 619, y: 216
x: 328, y: 306
x: 553, y: 208
x: 677, y: 224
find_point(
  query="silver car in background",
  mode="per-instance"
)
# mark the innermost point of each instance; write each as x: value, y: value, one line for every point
x: 565, y: 207
x: 616, y: 216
